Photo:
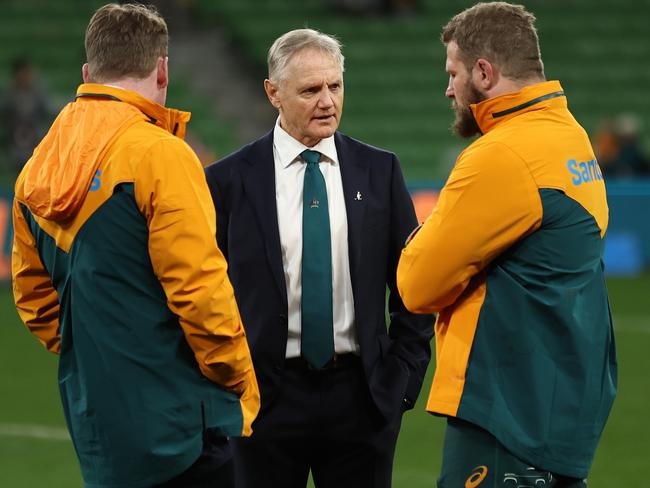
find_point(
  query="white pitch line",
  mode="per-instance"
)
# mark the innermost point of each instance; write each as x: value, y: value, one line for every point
x: 622, y: 323
x: 34, y: 431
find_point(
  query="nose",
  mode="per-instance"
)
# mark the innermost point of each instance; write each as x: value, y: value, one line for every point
x: 325, y: 100
x: 449, y: 92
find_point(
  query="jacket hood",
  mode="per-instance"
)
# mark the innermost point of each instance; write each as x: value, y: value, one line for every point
x: 56, y: 179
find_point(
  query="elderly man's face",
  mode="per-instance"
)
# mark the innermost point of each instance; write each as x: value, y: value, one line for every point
x: 310, y: 98
x: 462, y: 92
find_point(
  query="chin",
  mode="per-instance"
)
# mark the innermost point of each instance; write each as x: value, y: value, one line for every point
x: 324, y: 132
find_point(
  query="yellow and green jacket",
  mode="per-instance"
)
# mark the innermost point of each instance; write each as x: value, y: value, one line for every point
x: 512, y: 260
x: 116, y: 268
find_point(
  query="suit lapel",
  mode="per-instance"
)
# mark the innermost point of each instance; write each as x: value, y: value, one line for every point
x: 354, y: 175
x: 258, y: 176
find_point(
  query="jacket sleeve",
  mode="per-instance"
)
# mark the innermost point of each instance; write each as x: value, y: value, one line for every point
x: 36, y: 299
x: 172, y: 194
x: 411, y: 333
x: 489, y: 202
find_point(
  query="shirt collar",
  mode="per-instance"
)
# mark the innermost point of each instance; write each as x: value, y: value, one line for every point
x: 493, y: 111
x: 289, y: 148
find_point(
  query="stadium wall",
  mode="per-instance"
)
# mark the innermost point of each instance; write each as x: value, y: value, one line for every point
x: 627, y: 245
x: 6, y: 234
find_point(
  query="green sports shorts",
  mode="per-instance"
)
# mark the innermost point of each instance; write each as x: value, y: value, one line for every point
x: 473, y: 458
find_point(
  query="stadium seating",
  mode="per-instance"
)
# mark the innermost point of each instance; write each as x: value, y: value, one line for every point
x: 395, y: 76
x: 50, y: 34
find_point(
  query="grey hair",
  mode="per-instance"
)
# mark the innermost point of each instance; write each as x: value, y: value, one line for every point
x: 296, y: 40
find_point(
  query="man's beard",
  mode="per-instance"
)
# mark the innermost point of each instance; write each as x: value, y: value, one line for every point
x: 465, y: 124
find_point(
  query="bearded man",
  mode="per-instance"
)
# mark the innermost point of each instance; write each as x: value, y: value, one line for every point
x: 512, y: 261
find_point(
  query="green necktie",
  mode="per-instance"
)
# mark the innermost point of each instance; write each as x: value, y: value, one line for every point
x: 317, y: 336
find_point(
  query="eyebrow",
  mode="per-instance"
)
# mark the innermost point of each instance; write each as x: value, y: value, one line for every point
x: 309, y: 86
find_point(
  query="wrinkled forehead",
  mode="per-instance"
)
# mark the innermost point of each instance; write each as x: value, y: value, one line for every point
x: 310, y: 60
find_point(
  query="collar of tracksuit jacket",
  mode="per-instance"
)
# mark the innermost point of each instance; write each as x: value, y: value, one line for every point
x: 495, y: 111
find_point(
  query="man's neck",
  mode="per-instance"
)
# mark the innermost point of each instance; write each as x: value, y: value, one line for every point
x: 145, y: 87
x: 507, y: 85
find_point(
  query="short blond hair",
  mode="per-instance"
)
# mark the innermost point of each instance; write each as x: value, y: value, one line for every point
x: 125, y: 41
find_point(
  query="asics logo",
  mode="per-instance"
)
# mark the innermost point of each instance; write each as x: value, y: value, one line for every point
x: 476, y: 478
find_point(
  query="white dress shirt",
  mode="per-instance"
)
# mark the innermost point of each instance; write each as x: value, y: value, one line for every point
x: 289, y: 180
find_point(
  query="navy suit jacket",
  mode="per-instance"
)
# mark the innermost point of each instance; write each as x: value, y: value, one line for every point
x: 243, y: 190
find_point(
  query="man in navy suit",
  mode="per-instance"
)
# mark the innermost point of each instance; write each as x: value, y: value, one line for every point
x: 312, y: 223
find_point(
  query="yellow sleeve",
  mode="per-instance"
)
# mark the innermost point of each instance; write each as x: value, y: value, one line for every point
x: 172, y: 194
x: 489, y: 202
x: 36, y: 299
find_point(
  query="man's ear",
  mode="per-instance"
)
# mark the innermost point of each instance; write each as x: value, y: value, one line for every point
x: 485, y: 74
x: 85, y: 73
x: 162, y: 72
x: 272, y: 93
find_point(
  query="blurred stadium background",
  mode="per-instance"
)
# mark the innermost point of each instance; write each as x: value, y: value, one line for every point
x: 395, y: 81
